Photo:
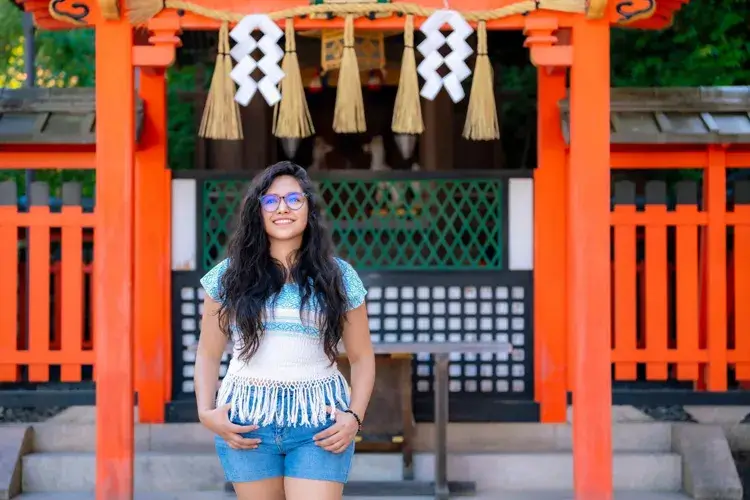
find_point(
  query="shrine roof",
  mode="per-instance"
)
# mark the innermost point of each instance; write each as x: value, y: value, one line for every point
x: 52, y: 116
x: 639, y: 14
x: 699, y: 115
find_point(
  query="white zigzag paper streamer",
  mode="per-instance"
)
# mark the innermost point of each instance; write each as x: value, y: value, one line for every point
x: 268, y: 64
x: 455, y: 61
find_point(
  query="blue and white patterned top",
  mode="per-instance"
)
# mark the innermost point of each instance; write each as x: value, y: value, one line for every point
x: 290, y: 366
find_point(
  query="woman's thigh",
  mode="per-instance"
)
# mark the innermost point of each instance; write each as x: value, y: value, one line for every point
x: 264, y: 489
x: 307, y: 489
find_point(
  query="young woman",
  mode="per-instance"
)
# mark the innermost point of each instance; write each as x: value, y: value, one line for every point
x: 285, y: 419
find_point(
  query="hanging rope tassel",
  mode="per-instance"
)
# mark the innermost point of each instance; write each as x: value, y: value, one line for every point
x: 221, y: 115
x: 481, y: 116
x: 407, y: 111
x: 349, y: 112
x: 140, y: 11
x: 291, y: 117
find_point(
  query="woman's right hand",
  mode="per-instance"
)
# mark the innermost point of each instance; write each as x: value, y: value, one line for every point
x: 217, y: 421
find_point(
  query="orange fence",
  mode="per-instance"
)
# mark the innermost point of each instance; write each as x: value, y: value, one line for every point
x: 679, y: 282
x: 57, y: 333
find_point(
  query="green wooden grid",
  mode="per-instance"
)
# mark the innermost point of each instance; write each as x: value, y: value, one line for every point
x: 395, y: 225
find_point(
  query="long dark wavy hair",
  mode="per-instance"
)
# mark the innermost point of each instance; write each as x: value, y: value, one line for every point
x: 253, y: 276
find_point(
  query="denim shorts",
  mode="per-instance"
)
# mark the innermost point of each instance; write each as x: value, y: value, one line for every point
x: 284, y: 451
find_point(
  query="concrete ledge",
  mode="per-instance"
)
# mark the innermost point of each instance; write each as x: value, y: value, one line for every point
x: 708, y: 469
x: 15, y: 442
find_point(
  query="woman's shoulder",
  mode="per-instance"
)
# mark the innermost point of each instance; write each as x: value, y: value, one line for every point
x: 355, y: 289
x: 211, y: 281
x: 344, y: 265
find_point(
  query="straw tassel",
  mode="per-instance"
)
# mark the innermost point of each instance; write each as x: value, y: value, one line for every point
x: 140, y: 11
x: 349, y: 112
x: 221, y: 115
x: 291, y: 116
x: 481, y: 116
x: 407, y: 111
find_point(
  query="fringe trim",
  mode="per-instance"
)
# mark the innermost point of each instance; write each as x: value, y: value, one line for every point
x: 263, y: 402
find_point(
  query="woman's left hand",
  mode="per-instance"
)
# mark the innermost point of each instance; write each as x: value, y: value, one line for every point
x: 338, y: 437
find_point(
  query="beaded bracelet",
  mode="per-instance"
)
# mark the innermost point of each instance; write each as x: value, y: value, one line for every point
x: 356, y: 417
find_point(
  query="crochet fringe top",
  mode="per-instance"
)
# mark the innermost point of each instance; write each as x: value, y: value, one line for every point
x: 289, y: 380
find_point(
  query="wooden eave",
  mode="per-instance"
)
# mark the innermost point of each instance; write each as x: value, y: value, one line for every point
x: 698, y: 115
x: 52, y: 116
x: 648, y: 15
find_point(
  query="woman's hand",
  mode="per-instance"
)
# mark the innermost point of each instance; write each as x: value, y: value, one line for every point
x: 340, y: 435
x: 217, y: 421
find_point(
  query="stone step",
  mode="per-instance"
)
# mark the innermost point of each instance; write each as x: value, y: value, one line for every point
x: 154, y: 471
x: 488, y: 495
x: 506, y: 437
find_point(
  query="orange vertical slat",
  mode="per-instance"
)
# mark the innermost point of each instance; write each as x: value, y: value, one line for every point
x: 656, y: 280
x: 39, y: 286
x: 716, y: 280
x: 9, y: 270
x: 742, y: 280
x: 625, y: 282
x: 686, y: 283
x: 72, y: 297
x: 550, y: 289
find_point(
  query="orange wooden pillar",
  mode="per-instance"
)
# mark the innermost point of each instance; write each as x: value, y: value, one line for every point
x: 589, y: 259
x: 715, y: 255
x: 550, y: 266
x: 151, y: 255
x: 113, y: 257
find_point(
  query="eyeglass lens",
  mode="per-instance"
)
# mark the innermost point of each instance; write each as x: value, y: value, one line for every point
x: 271, y: 202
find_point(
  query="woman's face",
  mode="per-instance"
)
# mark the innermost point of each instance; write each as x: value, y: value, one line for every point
x: 284, y: 208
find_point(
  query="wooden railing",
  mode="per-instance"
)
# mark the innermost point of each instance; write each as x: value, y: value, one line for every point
x: 56, y: 334
x: 679, y: 282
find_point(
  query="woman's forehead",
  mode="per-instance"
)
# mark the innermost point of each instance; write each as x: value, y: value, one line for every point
x: 283, y: 185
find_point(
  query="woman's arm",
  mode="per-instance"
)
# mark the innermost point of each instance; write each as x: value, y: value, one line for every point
x: 211, y: 346
x: 361, y: 358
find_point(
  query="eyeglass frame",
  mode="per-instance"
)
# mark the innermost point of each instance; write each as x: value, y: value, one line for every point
x: 283, y: 198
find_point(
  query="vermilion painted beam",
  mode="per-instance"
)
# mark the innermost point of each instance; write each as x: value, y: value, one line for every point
x: 550, y: 252
x: 22, y: 160
x: 113, y: 260
x: 151, y: 259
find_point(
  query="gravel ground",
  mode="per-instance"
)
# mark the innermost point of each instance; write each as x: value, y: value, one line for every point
x: 26, y: 415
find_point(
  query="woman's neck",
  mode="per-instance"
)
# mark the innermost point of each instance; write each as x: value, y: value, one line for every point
x: 284, y: 251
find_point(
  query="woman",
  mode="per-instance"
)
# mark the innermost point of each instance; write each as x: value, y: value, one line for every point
x: 284, y: 418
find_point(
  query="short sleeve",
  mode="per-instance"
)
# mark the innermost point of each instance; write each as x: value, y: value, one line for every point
x: 355, y: 289
x: 211, y: 281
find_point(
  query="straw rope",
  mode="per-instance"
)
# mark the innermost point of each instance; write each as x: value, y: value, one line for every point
x: 291, y: 116
x: 349, y: 110
x: 221, y: 114
x: 140, y: 11
x: 481, y: 117
x: 407, y: 110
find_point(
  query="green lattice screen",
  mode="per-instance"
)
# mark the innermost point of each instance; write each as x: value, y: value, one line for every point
x: 445, y: 224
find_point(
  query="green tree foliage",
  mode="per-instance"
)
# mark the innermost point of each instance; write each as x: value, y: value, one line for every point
x: 708, y: 44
